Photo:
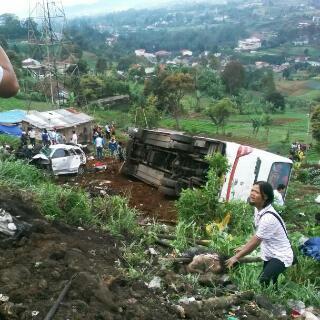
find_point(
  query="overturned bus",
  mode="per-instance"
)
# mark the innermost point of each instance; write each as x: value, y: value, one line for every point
x: 172, y: 161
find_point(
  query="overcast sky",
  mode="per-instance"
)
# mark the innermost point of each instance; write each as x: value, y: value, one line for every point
x: 21, y: 7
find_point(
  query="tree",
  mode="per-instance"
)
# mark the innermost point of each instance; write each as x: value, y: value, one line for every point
x: 233, y: 76
x: 220, y: 112
x: 267, y: 82
x: 210, y: 82
x: 176, y: 85
x: 101, y: 65
x: 83, y: 66
x: 286, y: 73
x: 266, y: 122
x: 145, y: 116
x: 256, y: 124
x: 277, y: 99
x: 315, y: 124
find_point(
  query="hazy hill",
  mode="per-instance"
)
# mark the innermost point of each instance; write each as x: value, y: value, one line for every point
x: 103, y: 6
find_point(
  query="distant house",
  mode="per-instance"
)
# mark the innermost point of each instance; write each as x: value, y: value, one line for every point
x: 64, y: 120
x: 140, y: 52
x: 301, y: 59
x: 300, y: 42
x: 162, y: 54
x: 281, y: 67
x: 110, y: 41
x: 316, y: 20
x: 150, y: 57
x: 314, y: 63
x: 249, y: 44
x: 36, y: 69
x: 261, y: 64
x: 302, y: 25
x: 186, y: 53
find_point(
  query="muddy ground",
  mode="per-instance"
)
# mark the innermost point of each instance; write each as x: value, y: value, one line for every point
x: 145, y: 198
x: 36, y: 266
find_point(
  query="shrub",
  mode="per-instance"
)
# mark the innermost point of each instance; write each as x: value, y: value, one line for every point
x: 69, y: 205
x: 114, y: 214
x: 202, y: 205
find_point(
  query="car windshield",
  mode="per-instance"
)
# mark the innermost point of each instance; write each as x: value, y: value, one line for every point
x: 46, y: 151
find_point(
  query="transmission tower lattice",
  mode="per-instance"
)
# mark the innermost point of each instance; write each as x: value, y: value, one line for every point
x: 46, y: 26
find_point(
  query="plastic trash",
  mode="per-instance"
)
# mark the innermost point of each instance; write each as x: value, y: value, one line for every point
x: 311, y: 248
x: 298, y: 308
x: 317, y: 199
x: 3, y: 298
x: 186, y: 300
x: 155, y: 283
x: 12, y: 226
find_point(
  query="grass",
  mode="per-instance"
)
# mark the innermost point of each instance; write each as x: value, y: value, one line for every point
x: 239, y: 128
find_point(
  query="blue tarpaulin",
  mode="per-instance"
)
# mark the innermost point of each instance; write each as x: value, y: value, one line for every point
x: 12, y: 116
x: 311, y: 248
x: 14, y: 130
x: 9, y: 122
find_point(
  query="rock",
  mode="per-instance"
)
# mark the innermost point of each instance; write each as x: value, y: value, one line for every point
x: 43, y: 284
x: 105, y: 297
x: 180, y: 311
x: 55, y: 274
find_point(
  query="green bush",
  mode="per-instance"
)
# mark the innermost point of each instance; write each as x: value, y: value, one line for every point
x: 202, y: 205
x: 114, y: 214
x: 20, y: 173
x: 69, y: 205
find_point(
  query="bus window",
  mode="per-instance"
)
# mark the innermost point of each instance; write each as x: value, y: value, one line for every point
x: 279, y: 174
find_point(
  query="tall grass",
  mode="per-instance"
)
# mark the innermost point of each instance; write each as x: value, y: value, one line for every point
x: 69, y: 205
x: 115, y: 215
x: 20, y: 173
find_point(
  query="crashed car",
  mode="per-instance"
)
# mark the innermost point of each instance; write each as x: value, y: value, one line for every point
x: 61, y: 159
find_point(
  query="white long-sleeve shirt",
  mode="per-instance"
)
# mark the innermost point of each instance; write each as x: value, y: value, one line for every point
x: 274, y: 241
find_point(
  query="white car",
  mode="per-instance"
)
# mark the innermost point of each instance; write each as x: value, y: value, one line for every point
x: 61, y: 159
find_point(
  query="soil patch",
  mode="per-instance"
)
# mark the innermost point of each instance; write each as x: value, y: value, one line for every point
x: 145, y: 198
x: 35, y: 268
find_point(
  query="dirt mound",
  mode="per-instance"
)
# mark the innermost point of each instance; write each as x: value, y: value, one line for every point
x: 35, y: 268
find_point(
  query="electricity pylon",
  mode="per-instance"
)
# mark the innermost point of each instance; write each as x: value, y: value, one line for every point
x: 46, y: 25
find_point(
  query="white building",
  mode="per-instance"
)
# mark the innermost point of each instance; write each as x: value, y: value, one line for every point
x: 186, y: 53
x: 249, y: 44
x: 140, y: 52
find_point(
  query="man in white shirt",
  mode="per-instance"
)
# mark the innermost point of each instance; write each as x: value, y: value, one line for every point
x: 32, y: 136
x: 99, y: 146
x: 278, y: 194
x: 74, y: 138
x: 8, y: 82
x: 271, y: 235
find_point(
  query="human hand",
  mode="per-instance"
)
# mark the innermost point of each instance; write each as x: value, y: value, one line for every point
x: 237, y: 250
x: 230, y: 262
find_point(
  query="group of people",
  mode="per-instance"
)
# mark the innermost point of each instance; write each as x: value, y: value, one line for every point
x: 100, y: 142
x: 297, y: 151
x: 49, y: 137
